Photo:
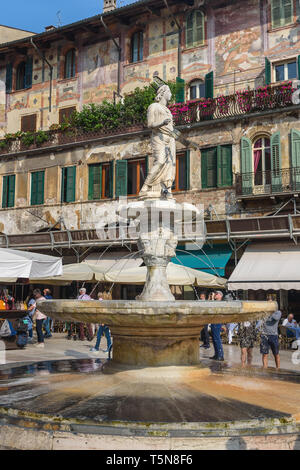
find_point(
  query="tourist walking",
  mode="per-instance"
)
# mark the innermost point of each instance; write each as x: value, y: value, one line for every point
x: 102, y: 329
x: 247, y: 334
x: 269, y: 339
x: 216, y: 333
x: 30, y: 303
x: 84, y: 296
x: 38, y: 316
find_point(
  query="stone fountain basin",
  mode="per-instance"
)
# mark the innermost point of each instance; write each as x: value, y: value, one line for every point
x: 155, y: 333
x: 133, y: 313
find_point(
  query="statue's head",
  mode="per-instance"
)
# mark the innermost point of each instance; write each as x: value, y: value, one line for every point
x: 163, y: 91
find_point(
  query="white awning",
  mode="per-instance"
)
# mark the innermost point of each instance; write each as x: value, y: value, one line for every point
x: 114, y: 260
x: 267, y: 266
x: 24, y: 264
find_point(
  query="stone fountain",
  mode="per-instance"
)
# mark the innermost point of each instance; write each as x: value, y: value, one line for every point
x: 155, y: 393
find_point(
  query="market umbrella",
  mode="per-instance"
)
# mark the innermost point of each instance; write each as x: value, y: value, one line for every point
x: 177, y: 275
x: 16, y: 264
x: 76, y: 272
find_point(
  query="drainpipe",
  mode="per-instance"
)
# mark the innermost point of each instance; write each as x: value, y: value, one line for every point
x: 51, y: 71
x: 179, y: 38
x: 119, y: 54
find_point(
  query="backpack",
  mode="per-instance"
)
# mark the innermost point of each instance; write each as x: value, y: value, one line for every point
x: 21, y: 325
x: 21, y: 340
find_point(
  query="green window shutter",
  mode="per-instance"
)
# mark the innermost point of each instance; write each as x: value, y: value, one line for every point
x: 209, y: 168
x: 91, y: 181
x: 4, y: 191
x: 11, y: 191
x: 37, y: 188
x: 189, y: 30
x: 28, y: 73
x: 70, y: 183
x: 33, y: 189
x: 199, y: 27
x: 224, y: 165
x: 180, y: 94
x: 295, y: 159
x: 147, y: 165
x: 9, y: 75
x: 287, y: 12
x: 95, y: 182
x: 276, y: 13
x: 246, y: 165
x: 268, y: 79
x: 63, y: 174
x: 187, y: 168
x: 298, y: 62
x: 111, y: 178
x: 209, y: 85
x: 276, y: 163
x: 121, y: 178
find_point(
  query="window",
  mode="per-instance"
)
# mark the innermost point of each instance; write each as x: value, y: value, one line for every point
x: 70, y: 64
x: 100, y: 181
x: 282, y: 12
x: 216, y: 166
x: 8, y: 191
x: 130, y: 176
x: 37, y: 187
x: 68, y: 184
x: 136, y: 175
x: 28, y: 123
x: 181, y: 182
x: 24, y: 74
x: 195, y: 29
x: 197, y: 90
x: 137, y: 46
x: 262, y: 161
x: 20, y: 76
x: 66, y: 113
x: 285, y: 70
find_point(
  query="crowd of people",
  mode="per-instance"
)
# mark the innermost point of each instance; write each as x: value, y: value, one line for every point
x: 247, y: 333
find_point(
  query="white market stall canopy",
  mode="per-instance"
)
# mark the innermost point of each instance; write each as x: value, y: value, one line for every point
x: 114, y: 260
x: 177, y: 275
x: 267, y: 266
x: 16, y: 264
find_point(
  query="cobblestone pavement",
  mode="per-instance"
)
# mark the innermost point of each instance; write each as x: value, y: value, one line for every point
x: 58, y: 347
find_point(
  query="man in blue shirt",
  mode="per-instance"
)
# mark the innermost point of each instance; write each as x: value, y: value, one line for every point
x: 216, y: 333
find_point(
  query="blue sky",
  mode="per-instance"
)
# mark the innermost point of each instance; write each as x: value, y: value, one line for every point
x: 34, y: 15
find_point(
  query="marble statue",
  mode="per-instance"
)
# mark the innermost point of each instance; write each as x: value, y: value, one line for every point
x: 161, y: 177
x: 162, y: 174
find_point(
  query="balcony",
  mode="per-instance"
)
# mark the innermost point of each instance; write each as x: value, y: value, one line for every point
x: 268, y: 183
x: 241, y: 103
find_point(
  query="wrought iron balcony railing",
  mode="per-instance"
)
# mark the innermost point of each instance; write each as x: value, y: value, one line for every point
x: 242, y: 102
x: 268, y: 182
x: 205, y: 109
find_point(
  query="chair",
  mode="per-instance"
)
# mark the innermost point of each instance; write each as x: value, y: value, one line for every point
x: 285, y: 340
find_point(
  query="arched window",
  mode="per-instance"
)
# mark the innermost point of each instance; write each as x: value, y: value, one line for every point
x: 70, y: 64
x: 197, y: 89
x: 262, y: 161
x: 195, y: 29
x: 137, y: 45
x: 20, y: 76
